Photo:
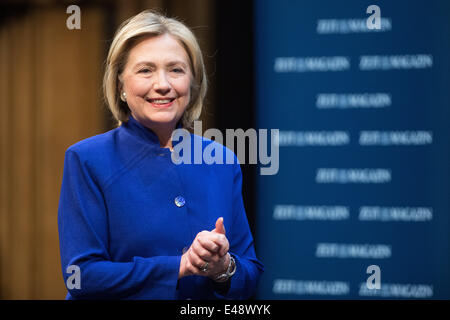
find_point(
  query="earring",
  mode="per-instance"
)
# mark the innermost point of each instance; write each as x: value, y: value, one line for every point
x: 123, y: 96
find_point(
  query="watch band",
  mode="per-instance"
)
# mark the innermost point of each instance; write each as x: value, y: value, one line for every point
x: 230, y: 271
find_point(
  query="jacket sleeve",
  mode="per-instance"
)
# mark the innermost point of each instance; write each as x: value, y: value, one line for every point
x: 83, y: 235
x: 242, y: 284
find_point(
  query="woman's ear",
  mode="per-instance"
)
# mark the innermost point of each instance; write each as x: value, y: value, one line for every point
x: 119, y: 82
x: 122, y: 94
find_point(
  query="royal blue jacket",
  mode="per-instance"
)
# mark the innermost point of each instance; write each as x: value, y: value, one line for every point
x: 119, y: 222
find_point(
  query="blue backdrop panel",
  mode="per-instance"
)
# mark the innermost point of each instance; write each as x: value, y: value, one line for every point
x: 364, y: 175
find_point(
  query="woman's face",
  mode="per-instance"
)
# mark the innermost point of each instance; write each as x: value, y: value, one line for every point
x: 157, y: 80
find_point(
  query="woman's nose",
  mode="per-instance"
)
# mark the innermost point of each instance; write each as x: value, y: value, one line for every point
x: 162, y: 85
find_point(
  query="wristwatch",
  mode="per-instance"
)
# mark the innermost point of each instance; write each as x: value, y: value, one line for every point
x: 229, y: 273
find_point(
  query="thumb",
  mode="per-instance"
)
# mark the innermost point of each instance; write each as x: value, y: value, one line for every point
x: 220, y: 228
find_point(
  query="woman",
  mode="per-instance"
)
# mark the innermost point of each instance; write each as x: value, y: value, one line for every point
x: 135, y: 224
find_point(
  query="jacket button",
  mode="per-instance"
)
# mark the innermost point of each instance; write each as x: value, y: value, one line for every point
x: 179, y: 201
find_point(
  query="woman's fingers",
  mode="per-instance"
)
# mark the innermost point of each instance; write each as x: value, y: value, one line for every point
x: 201, y: 252
x: 220, y: 228
x: 217, y: 238
x: 196, y: 265
x: 195, y: 259
x: 213, y: 241
x: 222, y: 241
x: 207, y: 243
x: 208, y: 250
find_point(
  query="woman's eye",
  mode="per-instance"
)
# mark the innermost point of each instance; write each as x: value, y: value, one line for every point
x: 178, y: 70
x: 144, y: 70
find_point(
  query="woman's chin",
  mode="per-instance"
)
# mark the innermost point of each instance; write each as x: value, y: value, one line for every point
x: 161, y: 120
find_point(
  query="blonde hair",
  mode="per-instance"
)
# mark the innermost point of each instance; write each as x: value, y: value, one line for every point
x: 149, y: 23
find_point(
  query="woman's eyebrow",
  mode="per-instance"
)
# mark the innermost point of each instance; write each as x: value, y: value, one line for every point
x: 144, y: 63
x: 170, y: 63
x: 177, y: 62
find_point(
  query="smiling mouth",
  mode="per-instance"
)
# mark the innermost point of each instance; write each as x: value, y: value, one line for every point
x: 160, y: 101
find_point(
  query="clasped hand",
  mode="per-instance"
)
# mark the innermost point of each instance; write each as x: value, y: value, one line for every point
x: 207, y: 255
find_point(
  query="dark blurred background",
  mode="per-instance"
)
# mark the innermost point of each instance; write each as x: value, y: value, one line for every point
x: 51, y: 97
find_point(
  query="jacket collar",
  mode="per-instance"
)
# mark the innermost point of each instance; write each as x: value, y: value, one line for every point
x: 145, y: 133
